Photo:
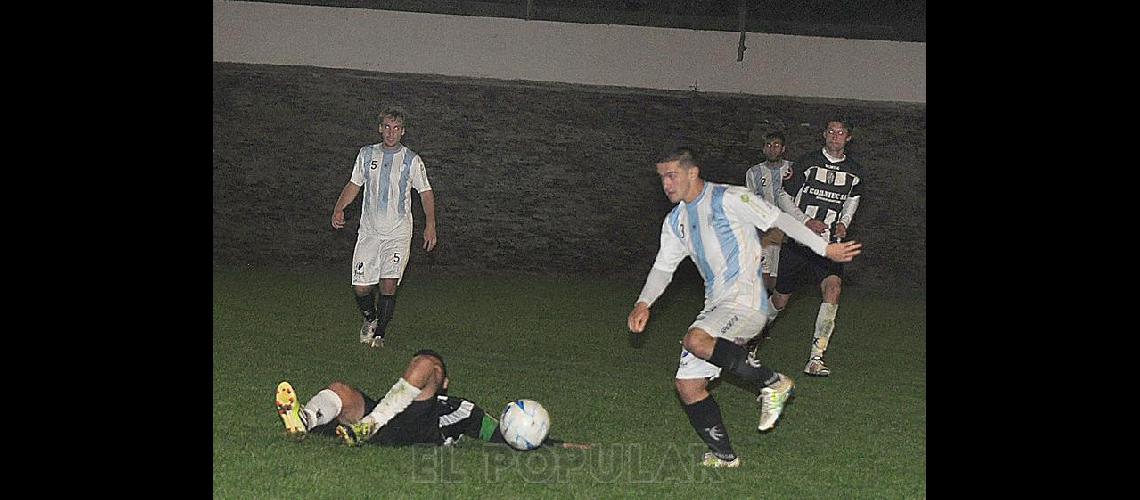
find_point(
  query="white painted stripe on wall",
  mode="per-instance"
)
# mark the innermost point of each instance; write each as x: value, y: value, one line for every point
x: 516, y: 49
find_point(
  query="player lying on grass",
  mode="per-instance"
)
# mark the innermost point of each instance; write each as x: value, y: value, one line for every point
x: 416, y: 410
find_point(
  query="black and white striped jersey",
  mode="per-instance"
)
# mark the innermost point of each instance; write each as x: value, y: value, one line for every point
x: 827, y: 191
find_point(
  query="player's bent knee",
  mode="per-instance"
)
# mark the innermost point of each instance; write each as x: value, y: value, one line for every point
x: 699, y: 342
x: 340, y: 387
x: 691, y: 390
x: 346, y: 392
x: 352, y: 402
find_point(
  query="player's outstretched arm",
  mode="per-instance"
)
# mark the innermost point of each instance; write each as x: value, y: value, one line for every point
x: 844, y: 252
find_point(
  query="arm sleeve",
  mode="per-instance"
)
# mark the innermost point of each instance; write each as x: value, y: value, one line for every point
x: 848, y: 212
x: 654, y: 286
x: 751, y: 208
x: 670, y: 254
x: 419, y: 175
x: 358, y: 169
x: 799, y: 232
x: 788, y: 205
x: 748, y: 182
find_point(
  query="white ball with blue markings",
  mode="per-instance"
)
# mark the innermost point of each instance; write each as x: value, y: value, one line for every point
x: 524, y: 424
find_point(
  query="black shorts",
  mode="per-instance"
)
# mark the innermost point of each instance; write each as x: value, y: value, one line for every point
x: 800, y: 266
x: 431, y: 421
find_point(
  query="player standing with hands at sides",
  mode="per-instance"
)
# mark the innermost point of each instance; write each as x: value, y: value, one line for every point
x: 766, y: 179
x: 387, y: 171
x: 715, y: 226
x: 829, y: 192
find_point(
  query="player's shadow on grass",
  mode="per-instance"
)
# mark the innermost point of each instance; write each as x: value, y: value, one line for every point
x: 636, y: 340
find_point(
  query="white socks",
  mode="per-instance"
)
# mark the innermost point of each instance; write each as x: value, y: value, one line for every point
x: 772, y: 311
x: 399, y: 397
x: 322, y: 409
x: 824, y: 325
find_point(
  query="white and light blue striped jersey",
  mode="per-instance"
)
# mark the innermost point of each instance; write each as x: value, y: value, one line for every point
x: 388, y: 178
x: 718, y: 232
x: 768, y: 182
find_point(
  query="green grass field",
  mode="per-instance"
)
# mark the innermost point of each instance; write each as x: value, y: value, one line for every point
x: 562, y: 341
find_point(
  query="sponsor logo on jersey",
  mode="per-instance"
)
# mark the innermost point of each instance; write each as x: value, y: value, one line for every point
x: 825, y: 194
x: 730, y: 324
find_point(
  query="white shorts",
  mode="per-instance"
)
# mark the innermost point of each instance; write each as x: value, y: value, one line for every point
x: 375, y: 258
x: 727, y: 321
x: 770, y: 260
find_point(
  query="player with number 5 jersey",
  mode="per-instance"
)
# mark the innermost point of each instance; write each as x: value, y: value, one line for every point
x: 387, y: 172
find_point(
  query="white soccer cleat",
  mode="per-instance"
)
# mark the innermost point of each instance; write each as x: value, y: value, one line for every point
x: 772, y: 400
x: 816, y: 368
x: 711, y: 460
x: 368, y: 330
x: 377, y: 341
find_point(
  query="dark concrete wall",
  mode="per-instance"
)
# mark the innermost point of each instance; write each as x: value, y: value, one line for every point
x: 539, y: 177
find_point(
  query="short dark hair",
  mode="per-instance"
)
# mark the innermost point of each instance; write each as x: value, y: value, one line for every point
x: 838, y: 119
x: 685, y: 154
x: 771, y: 136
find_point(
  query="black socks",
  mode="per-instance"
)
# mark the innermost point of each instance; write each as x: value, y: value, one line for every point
x: 367, y: 306
x: 387, y: 309
x: 734, y: 358
x: 704, y: 416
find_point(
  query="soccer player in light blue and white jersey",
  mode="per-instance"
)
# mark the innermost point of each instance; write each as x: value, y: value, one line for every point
x: 715, y: 226
x: 387, y: 172
x: 767, y: 180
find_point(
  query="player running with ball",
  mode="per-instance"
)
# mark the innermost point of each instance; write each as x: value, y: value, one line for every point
x: 715, y: 226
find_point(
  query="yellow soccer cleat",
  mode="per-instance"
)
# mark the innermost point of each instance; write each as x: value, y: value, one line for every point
x: 356, y: 434
x: 290, y: 411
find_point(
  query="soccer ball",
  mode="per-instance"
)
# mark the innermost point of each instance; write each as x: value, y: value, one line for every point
x: 524, y: 424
